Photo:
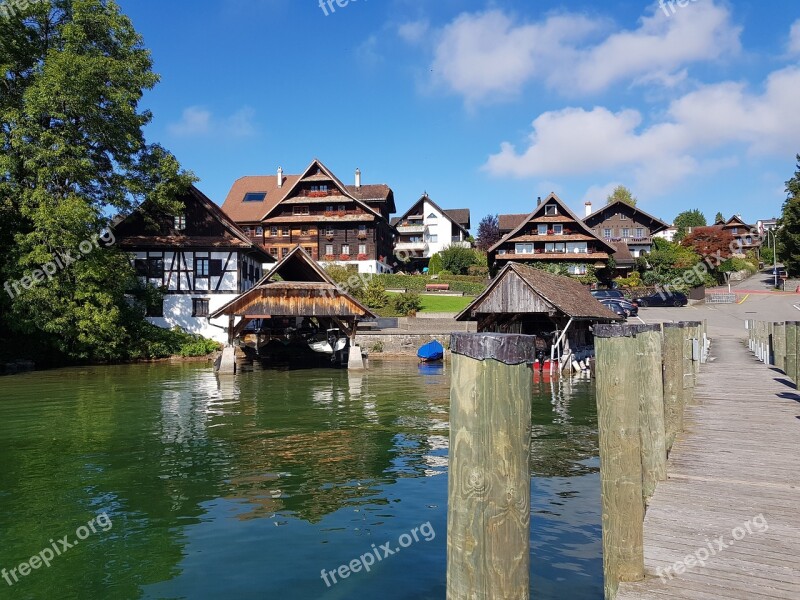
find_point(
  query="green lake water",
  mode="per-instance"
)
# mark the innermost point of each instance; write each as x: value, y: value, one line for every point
x: 249, y: 487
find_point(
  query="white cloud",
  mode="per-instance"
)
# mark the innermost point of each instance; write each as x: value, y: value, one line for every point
x: 367, y: 52
x: 197, y: 121
x: 414, y: 32
x: 491, y: 55
x: 576, y: 141
x: 794, y: 38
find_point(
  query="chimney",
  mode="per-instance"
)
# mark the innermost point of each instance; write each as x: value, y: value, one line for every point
x: 358, y: 179
x: 538, y: 201
x: 588, y: 208
x: 280, y: 177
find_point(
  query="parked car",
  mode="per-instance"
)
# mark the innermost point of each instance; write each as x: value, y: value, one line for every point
x: 608, y: 294
x: 663, y: 299
x: 614, y: 307
x: 630, y: 309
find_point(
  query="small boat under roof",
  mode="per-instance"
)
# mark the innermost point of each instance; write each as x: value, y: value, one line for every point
x: 430, y: 352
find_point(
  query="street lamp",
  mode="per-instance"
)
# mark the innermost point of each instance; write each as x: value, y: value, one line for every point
x: 774, y: 254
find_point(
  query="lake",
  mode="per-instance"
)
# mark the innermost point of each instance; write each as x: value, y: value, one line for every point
x: 250, y: 487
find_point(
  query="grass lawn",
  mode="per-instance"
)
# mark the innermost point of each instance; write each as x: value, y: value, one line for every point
x: 444, y: 303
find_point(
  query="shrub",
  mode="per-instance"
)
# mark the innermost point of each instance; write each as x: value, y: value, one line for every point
x: 457, y: 259
x: 373, y: 294
x: 407, y: 304
x: 377, y: 347
x: 435, y: 265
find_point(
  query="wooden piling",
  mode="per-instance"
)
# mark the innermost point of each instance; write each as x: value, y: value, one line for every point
x: 791, y: 350
x: 650, y: 389
x: 779, y: 339
x: 488, y: 518
x: 796, y: 363
x: 620, y: 456
x: 688, y: 367
x: 673, y: 381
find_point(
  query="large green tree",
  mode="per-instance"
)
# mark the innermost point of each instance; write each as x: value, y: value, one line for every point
x: 621, y: 193
x: 789, y: 225
x: 686, y: 219
x: 72, y: 154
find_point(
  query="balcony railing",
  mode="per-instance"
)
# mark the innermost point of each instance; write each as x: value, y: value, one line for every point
x: 411, y: 228
x: 411, y: 246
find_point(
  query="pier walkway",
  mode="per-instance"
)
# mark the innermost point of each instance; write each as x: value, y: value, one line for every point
x: 726, y: 523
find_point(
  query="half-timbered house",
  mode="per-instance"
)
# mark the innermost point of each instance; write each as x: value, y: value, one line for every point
x: 199, y: 258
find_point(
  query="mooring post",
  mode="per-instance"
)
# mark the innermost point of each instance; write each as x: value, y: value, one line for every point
x: 620, y: 456
x: 796, y: 363
x: 791, y: 350
x: 688, y: 367
x: 489, y: 498
x: 673, y: 381
x: 650, y: 390
x: 779, y: 340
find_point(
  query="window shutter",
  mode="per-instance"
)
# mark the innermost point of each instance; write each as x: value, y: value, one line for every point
x: 215, y: 267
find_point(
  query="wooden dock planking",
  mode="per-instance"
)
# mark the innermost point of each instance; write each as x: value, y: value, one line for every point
x: 738, y: 457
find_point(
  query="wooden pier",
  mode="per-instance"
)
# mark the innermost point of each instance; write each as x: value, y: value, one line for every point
x: 732, y: 496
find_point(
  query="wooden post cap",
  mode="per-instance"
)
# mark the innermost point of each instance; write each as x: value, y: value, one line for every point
x: 612, y: 331
x: 507, y: 348
x: 692, y: 323
x: 677, y: 325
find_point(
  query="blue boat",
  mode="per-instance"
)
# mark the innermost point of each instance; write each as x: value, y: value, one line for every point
x: 431, y: 351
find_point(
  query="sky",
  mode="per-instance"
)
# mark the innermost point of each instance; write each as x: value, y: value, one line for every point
x: 486, y: 105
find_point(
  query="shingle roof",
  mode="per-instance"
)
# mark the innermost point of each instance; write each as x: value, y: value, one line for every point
x: 509, y: 222
x: 564, y: 293
x: 459, y: 215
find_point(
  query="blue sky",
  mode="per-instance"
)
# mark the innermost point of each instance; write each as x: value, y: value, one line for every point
x: 487, y: 105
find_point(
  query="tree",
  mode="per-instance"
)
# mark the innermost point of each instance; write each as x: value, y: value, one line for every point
x: 457, y: 260
x: 435, y: 264
x: 488, y: 232
x: 72, y: 152
x: 688, y: 218
x: 710, y: 242
x: 719, y: 218
x: 789, y: 226
x: 623, y: 194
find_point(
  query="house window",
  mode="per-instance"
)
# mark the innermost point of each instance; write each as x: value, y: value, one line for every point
x: 576, y: 247
x: 320, y: 188
x: 639, y: 232
x: 155, y: 268
x: 201, y: 267
x: 623, y: 217
x: 415, y: 239
x: 255, y: 196
x: 273, y: 231
x: 345, y: 248
x: 155, y: 308
x: 558, y: 229
x: 259, y: 231
x: 215, y: 267
x: 284, y: 252
x: 179, y: 222
x: 550, y: 210
x: 199, y: 307
x: 304, y: 230
x: 285, y: 232
x: 541, y: 228
x: 434, y: 238
x: 300, y: 210
x: 555, y: 247
x: 329, y: 230
x: 362, y: 229
x: 309, y: 250
x: 362, y: 248
x: 607, y: 233
x: 735, y: 230
x: 329, y: 249
x: 626, y: 233
x: 501, y: 252
x: 329, y: 208
x: 273, y: 251
x: 342, y: 208
x: 523, y: 248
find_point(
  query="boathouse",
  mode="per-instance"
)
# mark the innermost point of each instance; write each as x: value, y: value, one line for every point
x: 296, y: 300
x: 531, y: 301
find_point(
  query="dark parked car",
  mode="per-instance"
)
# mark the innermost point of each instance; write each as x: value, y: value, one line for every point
x: 663, y: 299
x: 614, y: 307
x: 631, y: 310
x: 600, y: 294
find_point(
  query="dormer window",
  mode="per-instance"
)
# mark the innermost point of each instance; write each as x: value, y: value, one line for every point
x: 550, y: 210
x: 179, y: 222
x: 432, y: 216
x: 255, y: 196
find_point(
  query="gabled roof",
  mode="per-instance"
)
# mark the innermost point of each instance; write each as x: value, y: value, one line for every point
x: 540, y: 209
x: 564, y: 294
x: 595, y: 216
x: 304, y: 282
x: 509, y: 222
x: 376, y: 192
x: 460, y: 213
x: 736, y: 220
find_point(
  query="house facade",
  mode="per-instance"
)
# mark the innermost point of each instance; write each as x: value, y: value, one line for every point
x: 199, y: 258
x: 425, y: 229
x: 623, y: 224
x: 332, y: 222
x: 552, y: 233
x: 747, y: 236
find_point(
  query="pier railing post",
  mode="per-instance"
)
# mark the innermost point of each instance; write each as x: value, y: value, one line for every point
x: 779, y: 340
x: 650, y: 388
x: 673, y: 381
x: 489, y: 499
x: 620, y: 456
x: 796, y: 363
x: 688, y: 367
x: 791, y: 350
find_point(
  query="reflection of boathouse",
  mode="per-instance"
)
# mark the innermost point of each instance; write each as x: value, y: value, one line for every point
x: 294, y: 307
x: 531, y: 301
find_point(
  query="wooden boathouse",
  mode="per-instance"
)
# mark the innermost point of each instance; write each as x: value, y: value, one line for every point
x: 294, y: 300
x: 530, y: 301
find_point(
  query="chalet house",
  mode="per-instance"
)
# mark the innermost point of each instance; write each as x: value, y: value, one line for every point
x: 331, y: 221
x: 199, y: 258
x: 747, y: 236
x: 629, y: 229
x: 552, y: 234
x: 425, y: 229
x: 508, y: 223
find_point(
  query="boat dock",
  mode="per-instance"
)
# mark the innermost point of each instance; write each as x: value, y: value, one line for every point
x: 726, y: 522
